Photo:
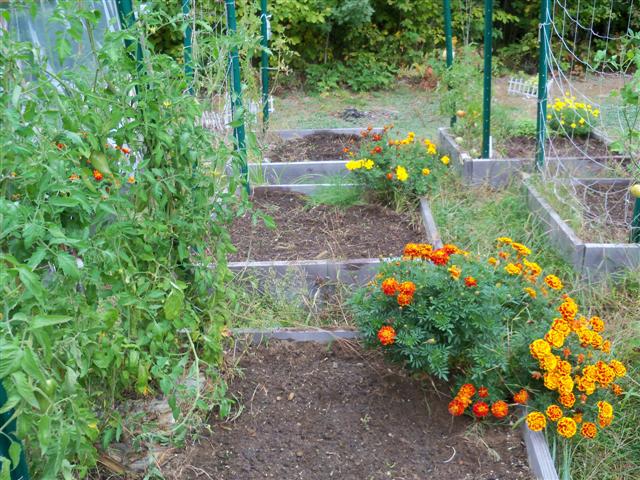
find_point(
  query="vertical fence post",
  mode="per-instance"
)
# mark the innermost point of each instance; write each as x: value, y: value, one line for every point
x: 486, y: 99
x: 127, y: 19
x: 8, y: 436
x: 635, y: 221
x: 236, y: 104
x: 264, y: 30
x: 448, y: 40
x: 188, y: 48
x: 544, y: 39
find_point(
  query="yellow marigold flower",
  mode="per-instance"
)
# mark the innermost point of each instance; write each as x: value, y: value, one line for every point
x: 368, y: 164
x: 585, y: 336
x: 585, y: 385
x: 521, y: 249
x: 554, y: 412
x: 533, y: 267
x: 567, y: 427
x: 604, y: 421
x: 565, y: 385
x: 605, y: 409
x: 426, y: 171
x: 618, y: 368
x: 596, y: 340
x: 595, y: 112
x: 432, y: 150
x: 555, y: 338
x: 568, y: 309
x: 564, y: 367
x: 401, y: 173
x: 512, y: 269
x: 604, y: 374
x: 589, y: 371
x: 597, y: 324
x: 445, y: 160
x: 606, y: 346
x: 131, y: 179
x: 548, y: 363
x: 505, y: 240
x: 551, y: 380
x: 581, y: 121
x: 493, y: 261
x: 536, y: 421
x: 553, y: 282
x: 549, y: 117
x: 589, y: 430
x: 353, y: 165
x: 530, y: 291
x: 561, y: 326
x: 539, y: 348
x: 455, y: 272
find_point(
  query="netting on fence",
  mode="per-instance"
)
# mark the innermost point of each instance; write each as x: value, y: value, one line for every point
x: 590, y: 157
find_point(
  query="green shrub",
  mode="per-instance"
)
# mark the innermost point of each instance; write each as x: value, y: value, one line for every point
x: 113, y: 245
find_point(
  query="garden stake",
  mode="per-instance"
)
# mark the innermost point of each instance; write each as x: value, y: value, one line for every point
x: 635, y: 222
x: 188, y: 49
x: 127, y: 20
x: 543, y: 35
x: 264, y: 31
x: 8, y: 436
x: 448, y: 40
x: 236, y: 103
x: 486, y: 102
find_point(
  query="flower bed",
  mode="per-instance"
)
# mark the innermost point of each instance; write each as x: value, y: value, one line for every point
x: 591, y: 260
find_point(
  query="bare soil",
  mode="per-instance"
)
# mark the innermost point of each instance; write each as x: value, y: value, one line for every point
x: 607, y: 212
x: 578, y: 147
x: 314, y: 411
x: 305, y: 232
x: 318, y: 146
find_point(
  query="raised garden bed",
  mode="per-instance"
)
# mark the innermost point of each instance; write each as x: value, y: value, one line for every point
x: 593, y: 158
x: 318, y: 411
x: 591, y: 259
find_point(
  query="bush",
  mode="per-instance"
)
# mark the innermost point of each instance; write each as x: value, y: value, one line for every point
x: 113, y: 247
x: 448, y: 313
x: 393, y: 170
x: 570, y: 118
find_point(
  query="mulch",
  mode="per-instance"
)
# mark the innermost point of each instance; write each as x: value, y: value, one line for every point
x: 318, y: 146
x: 305, y: 232
x: 314, y: 411
x: 578, y: 147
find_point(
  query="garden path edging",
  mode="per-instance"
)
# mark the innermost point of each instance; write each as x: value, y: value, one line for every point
x: 538, y: 454
x: 590, y: 260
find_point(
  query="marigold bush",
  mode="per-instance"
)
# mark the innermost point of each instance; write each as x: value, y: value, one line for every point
x: 569, y: 117
x: 390, y: 167
x: 452, y: 311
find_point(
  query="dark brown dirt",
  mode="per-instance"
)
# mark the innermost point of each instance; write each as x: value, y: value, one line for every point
x: 578, y: 147
x: 607, y: 212
x: 313, y: 411
x: 320, y: 232
x: 319, y: 146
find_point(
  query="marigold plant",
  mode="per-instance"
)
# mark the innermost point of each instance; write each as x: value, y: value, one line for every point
x: 569, y: 117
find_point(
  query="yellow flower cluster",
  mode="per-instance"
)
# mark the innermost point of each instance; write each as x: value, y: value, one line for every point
x: 563, y: 376
x: 365, y: 163
x: 410, y: 138
x: 431, y: 147
x: 401, y: 173
x: 577, y: 115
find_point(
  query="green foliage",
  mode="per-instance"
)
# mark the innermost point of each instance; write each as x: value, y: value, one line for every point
x: 336, y: 192
x: 451, y: 327
x: 524, y: 128
x: 569, y: 118
x: 113, y: 259
x: 396, y: 170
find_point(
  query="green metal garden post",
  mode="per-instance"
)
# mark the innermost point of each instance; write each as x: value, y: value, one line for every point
x: 486, y: 99
x: 8, y: 436
x: 127, y: 19
x: 188, y: 49
x: 238, y: 131
x: 635, y: 222
x: 544, y: 35
x: 264, y: 31
x: 448, y: 40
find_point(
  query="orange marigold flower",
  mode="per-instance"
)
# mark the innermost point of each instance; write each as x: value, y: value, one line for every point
x: 389, y: 176
x: 480, y: 409
x: 439, y: 257
x: 568, y: 309
x: 530, y: 291
x: 554, y: 412
x: 466, y: 401
x: 455, y: 272
x: 561, y: 326
x: 417, y: 250
x: 554, y: 282
x: 577, y: 417
x: 60, y: 146
x: 450, y: 249
x: 606, y: 346
x: 456, y: 407
x: 387, y: 335
x: 408, y: 288
x: 376, y: 137
x: 97, y: 175
x: 131, y: 179
x: 567, y: 400
x: 580, y: 358
x: 539, y: 348
x: 605, y: 409
x: 125, y: 150
x: 521, y: 249
x: 564, y: 367
x: 604, y: 421
x: 589, y: 430
x: 616, y: 389
x: 597, y: 324
x: 493, y: 261
x: 500, y: 409
x: 404, y: 299
x: 567, y: 427
x: 483, y: 392
x: 377, y: 149
x: 74, y: 176
x: 536, y: 421
x: 470, y: 282
x: 555, y: 338
x: 467, y: 390
x: 522, y: 397
x: 533, y: 267
x: 503, y: 255
x: 566, y: 352
x: 390, y: 286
